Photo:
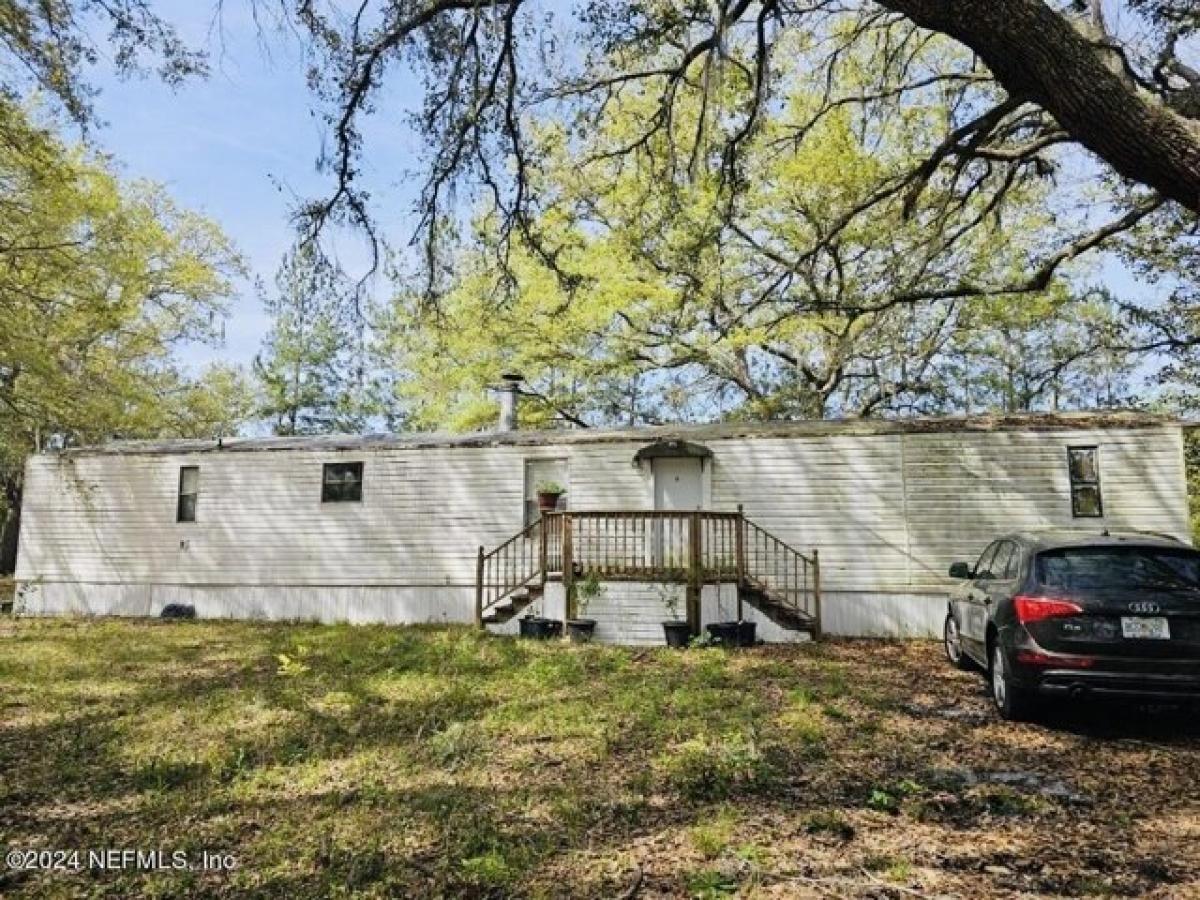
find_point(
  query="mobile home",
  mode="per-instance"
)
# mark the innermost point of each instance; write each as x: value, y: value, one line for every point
x: 843, y: 526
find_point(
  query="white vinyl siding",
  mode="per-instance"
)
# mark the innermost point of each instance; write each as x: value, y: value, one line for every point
x: 889, y: 512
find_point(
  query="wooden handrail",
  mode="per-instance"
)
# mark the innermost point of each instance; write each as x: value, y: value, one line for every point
x: 694, y: 547
x: 786, y: 575
x: 508, y: 568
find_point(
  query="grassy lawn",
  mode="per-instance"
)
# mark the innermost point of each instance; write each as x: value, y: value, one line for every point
x: 437, y: 761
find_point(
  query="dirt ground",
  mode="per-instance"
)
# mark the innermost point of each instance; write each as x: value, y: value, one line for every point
x: 372, y: 761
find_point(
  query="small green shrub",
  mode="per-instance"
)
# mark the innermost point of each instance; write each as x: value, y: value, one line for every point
x: 894, y: 868
x: 711, y: 883
x: 712, y: 837
x: 587, y: 591
x: 290, y: 666
x: 715, y: 769
x: 457, y: 743
x: 883, y: 801
x: 1004, y: 801
x: 490, y: 869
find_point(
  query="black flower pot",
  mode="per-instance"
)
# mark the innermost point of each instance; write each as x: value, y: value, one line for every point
x: 677, y: 633
x: 540, y: 628
x: 580, y: 630
x: 530, y: 627
x: 747, y: 633
x: 726, y: 634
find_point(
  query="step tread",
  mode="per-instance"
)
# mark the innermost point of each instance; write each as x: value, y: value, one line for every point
x: 781, y: 614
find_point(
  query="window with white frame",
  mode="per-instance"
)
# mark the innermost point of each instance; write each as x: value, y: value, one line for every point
x: 1083, y: 464
x: 189, y: 492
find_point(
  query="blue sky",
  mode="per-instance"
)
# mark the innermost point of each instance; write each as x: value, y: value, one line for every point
x: 241, y: 146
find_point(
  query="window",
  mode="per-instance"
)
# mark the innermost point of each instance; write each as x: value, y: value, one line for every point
x: 1008, y: 561
x: 1083, y: 463
x: 189, y: 489
x: 342, y: 483
x: 983, y: 568
x: 541, y: 471
x: 1133, y: 568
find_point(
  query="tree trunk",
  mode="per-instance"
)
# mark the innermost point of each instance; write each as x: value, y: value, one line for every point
x: 10, y: 527
x: 1038, y: 55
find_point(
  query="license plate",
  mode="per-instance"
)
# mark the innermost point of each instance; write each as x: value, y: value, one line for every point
x: 1145, y: 629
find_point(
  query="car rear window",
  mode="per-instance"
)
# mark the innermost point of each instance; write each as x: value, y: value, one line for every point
x: 1082, y: 568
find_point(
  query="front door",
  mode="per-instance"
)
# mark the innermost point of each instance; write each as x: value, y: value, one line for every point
x: 678, y: 484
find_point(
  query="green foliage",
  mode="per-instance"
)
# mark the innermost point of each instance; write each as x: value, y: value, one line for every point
x: 456, y: 744
x: 668, y: 596
x: 489, y: 869
x: 50, y: 46
x: 101, y: 281
x: 293, y: 666
x: 883, y: 801
x: 1191, y: 456
x: 712, y: 837
x: 588, y: 590
x: 445, y: 762
x: 710, y: 884
x: 311, y: 370
x: 669, y: 301
x: 550, y: 487
x: 717, y: 768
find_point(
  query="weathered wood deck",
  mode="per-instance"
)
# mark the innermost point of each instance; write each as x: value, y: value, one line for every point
x: 690, y: 547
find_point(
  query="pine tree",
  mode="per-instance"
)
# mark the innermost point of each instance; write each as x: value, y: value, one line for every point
x: 310, y: 369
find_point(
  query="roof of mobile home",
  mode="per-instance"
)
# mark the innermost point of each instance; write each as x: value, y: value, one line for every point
x: 721, y: 431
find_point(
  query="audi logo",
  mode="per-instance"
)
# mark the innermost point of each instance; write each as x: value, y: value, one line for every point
x: 1144, y: 606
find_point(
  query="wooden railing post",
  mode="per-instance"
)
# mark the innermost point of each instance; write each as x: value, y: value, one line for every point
x: 543, y: 537
x: 695, y: 572
x: 479, y: 589
x: 816, y: 564
x: 568, y: 563
x: 739, y: 541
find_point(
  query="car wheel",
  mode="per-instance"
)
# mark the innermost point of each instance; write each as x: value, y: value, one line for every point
x: 1013, y: 703
x: 952, y: 643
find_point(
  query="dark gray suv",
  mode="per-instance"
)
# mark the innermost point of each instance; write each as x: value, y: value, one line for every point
x: 1066, y: 614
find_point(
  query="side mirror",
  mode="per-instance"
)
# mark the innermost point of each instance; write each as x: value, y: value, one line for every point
x: 960, y: 570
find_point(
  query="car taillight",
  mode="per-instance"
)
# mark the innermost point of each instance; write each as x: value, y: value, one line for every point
x: 1034, y: 609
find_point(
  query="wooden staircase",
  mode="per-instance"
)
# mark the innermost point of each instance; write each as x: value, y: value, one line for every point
x: 780, y: 581
x: 693, y: 548
x: 512, y: 604
x: 782, y: 614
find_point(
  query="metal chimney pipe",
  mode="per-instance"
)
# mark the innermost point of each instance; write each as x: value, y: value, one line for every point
x: 510, y: 392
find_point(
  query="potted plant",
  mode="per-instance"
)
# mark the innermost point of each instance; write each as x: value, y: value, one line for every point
x: 747, y: 633
x: 733, y: 634
x: 677, y: 631
x: 548, y: 493
x: 730, y: 633
x: 539, y: 627
x: 589, y: 589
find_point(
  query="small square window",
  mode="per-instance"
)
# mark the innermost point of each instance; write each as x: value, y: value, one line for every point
x: 1083, y: 466
x: 342, y: 483
x: 189, y: 490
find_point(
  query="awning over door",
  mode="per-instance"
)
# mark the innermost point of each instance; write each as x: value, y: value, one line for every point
x: 672, y: 449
